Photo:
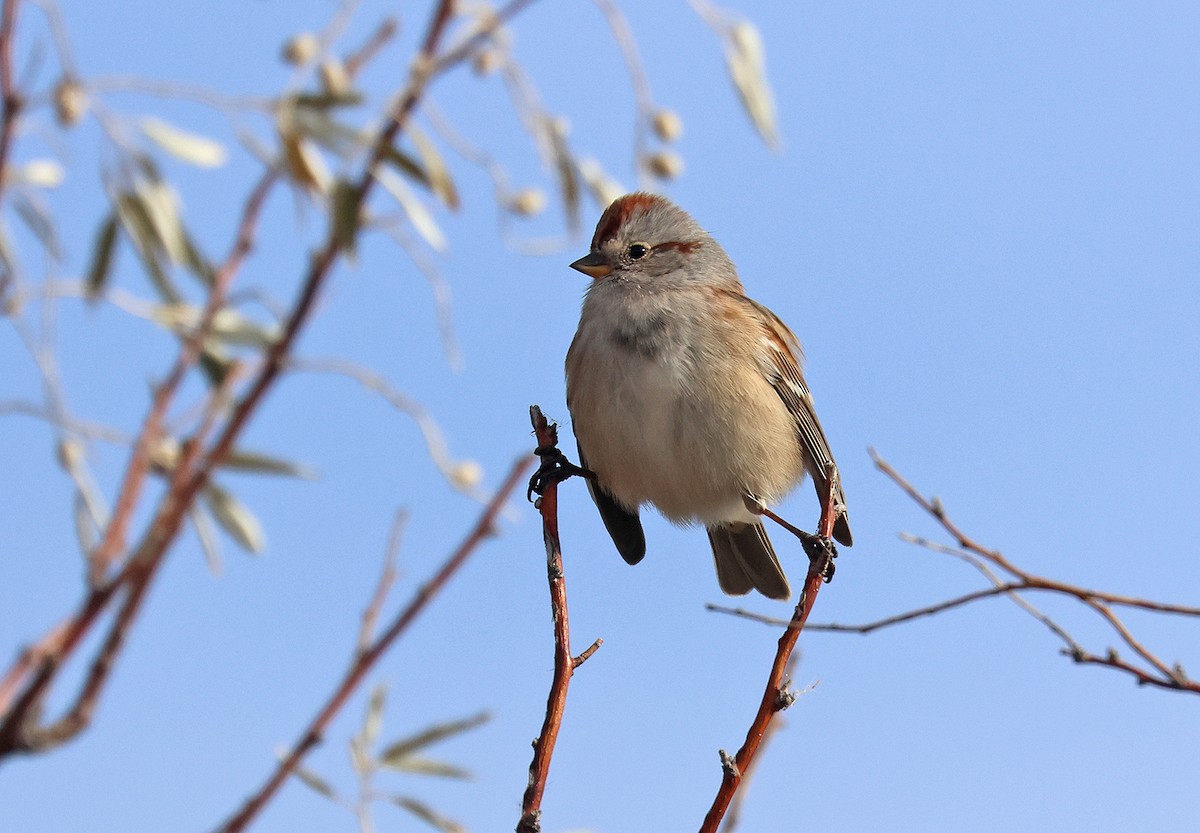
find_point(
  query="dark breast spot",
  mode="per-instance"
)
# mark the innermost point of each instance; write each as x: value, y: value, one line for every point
x: 646, y: 338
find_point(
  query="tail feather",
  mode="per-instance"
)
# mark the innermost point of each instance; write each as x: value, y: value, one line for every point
x: 746, y: 561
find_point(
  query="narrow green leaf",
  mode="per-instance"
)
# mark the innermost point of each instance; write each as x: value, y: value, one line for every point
x: 37, y: 217
x: 161, y: 205
x: 188, y: 147
x: 215, y: 364
x: 435, y: 167
x: 315, y: 782
x: 258, y: 463
x: 103, y: 251
x: 417, y: 212
x: 424, y: 766
x: 404, y: 747
x: 207, y: 534
x: 347, y: 211
x: 197, y: 262
x: 427, y: 814
x: 327, y: 100
x: 238, y: 522
x: 135, y: 221
x: 373, y: 717
x: 406, y: 165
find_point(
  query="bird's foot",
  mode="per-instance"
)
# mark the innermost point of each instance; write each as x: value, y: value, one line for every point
x: 821, y: 553
x: 555, y: 468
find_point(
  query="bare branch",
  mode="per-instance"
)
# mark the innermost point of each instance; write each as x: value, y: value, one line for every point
x: 365, y: 660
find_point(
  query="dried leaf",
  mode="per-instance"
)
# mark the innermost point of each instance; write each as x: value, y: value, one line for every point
x: 746, y: 61
x: 565, y: 168
x: 103, y: 251
x: 428, y: 814
x: 257, y: 463
x: 435, y: 167
x: 418, y: 214
x: 207, y: 534
x: 238, y: 522
x: 402, y: 749
x: 187, y: 147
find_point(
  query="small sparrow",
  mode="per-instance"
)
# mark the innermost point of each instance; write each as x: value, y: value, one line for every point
x: 688, y: 395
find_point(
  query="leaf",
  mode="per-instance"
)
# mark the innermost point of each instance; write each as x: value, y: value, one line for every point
x: 189, y: 147
x: 135, y: 220
x: 745, y: 58
x: 230, y: 326
x: 238, y: 522
x: 207, y: 534
x: 41, y: 173
x: 406, y: 165
x: 36, y: 217
x: 373, y: 717
x: 162, y: 209
x: 257, y: 463
x: 215, y: 364
x: 85, y: 525
x: 435, y: 167
x: 427, y: 814
x: 327, y: 100
x: 403, y: 748
x: 315, y: 782
x: 417, y: 212
x: 103, y: 251
x: 425, y: 766
x: 565, y: 168
x: 346, y: 209
x: 196, y: 261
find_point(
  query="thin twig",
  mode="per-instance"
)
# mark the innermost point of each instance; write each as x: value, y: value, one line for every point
x: 10, y: 96
x: 564, y: 665
x: 776, y: 697
x: 364, y: 661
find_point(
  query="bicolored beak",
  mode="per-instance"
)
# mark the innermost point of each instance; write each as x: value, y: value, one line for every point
x: 593, y: 265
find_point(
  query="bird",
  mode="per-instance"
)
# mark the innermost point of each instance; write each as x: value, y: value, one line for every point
x: 687, y: 395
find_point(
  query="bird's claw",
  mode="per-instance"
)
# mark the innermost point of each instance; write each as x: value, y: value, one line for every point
x: 821, y: 553
x: 555, y: 468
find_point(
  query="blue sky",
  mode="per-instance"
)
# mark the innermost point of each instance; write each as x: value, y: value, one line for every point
x: 984, y: 224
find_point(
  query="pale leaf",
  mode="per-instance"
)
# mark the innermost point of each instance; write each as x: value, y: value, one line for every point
x: 417, y: 212
x: 237, y: 521
x: 187, y: 147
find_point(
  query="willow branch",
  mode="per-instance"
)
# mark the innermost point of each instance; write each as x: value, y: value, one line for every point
x: 365, y: 660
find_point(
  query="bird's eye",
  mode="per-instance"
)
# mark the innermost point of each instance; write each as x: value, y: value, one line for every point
x: 638, y: 251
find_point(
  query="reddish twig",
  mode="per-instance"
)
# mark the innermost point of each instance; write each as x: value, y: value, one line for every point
x: 777, y: 696
x: 10, y: 96
x: 564, y: 664
x: 365, y: 660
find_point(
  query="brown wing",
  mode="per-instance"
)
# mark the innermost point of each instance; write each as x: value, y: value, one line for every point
x: 782, y: 367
